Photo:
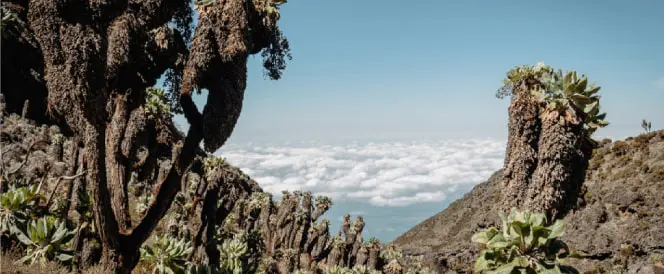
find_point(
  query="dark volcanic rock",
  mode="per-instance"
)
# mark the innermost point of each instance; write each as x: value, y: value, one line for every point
x: 619, y: 224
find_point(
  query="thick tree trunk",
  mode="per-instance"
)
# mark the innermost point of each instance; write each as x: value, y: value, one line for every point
x: 104, y: 218
x: 522, y: 147
x: 116, y: 164
x: 563, y: 159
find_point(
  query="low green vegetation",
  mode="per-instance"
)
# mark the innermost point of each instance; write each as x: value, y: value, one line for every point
x: 15, y: 207
x: 523, y: 244
x: 168, y: 255
x: 46, y: 239
x: 156, y: 103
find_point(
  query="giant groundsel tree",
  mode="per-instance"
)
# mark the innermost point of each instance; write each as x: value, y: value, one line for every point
x: 89, y: 66
x: 551, y: 119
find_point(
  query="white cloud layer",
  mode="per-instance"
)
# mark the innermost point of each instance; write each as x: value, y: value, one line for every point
x: 383, y: 174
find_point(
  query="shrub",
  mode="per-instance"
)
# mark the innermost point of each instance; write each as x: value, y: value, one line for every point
x: 642, y: 141
x: 646, y: 125
x: 620, y: 148
x: 524, y: 244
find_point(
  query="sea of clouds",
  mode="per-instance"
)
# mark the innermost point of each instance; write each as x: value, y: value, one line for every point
x: 394, y: 185
x: 382, y: 174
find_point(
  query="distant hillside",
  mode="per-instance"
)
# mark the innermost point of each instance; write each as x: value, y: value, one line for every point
x: 618, y: 225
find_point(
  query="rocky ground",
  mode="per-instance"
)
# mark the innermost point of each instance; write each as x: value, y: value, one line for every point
x: 618, y: 226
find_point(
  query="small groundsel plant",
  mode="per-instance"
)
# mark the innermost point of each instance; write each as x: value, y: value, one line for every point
x: 15, y: 206
x: 46, y: 239
x: 232, y: 255
x: 524, y: 244
x: 167, y: 254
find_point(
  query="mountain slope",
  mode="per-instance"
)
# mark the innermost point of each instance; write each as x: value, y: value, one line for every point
x: 619, y: 223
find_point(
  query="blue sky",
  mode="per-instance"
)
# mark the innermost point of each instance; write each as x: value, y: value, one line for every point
x: 370, y: 69
x: 389, y: 108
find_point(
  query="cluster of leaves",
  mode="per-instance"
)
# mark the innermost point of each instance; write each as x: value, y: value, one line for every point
x: 57, y: 139
x: 46, y: 238
x: 524, y: 244
x: 43, y: 237
x: 17, y: 205
x: 392, y: 256
x: 568, y: 93
x: 394, y: 262
x: 273, y: 7
x: 276, y: 55
x: 232, y: 255
x: 156, y: 103
x: 167, y: 254
x: 323, y: 201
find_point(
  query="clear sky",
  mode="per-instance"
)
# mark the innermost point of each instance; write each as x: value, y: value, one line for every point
x: 430, y: 68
